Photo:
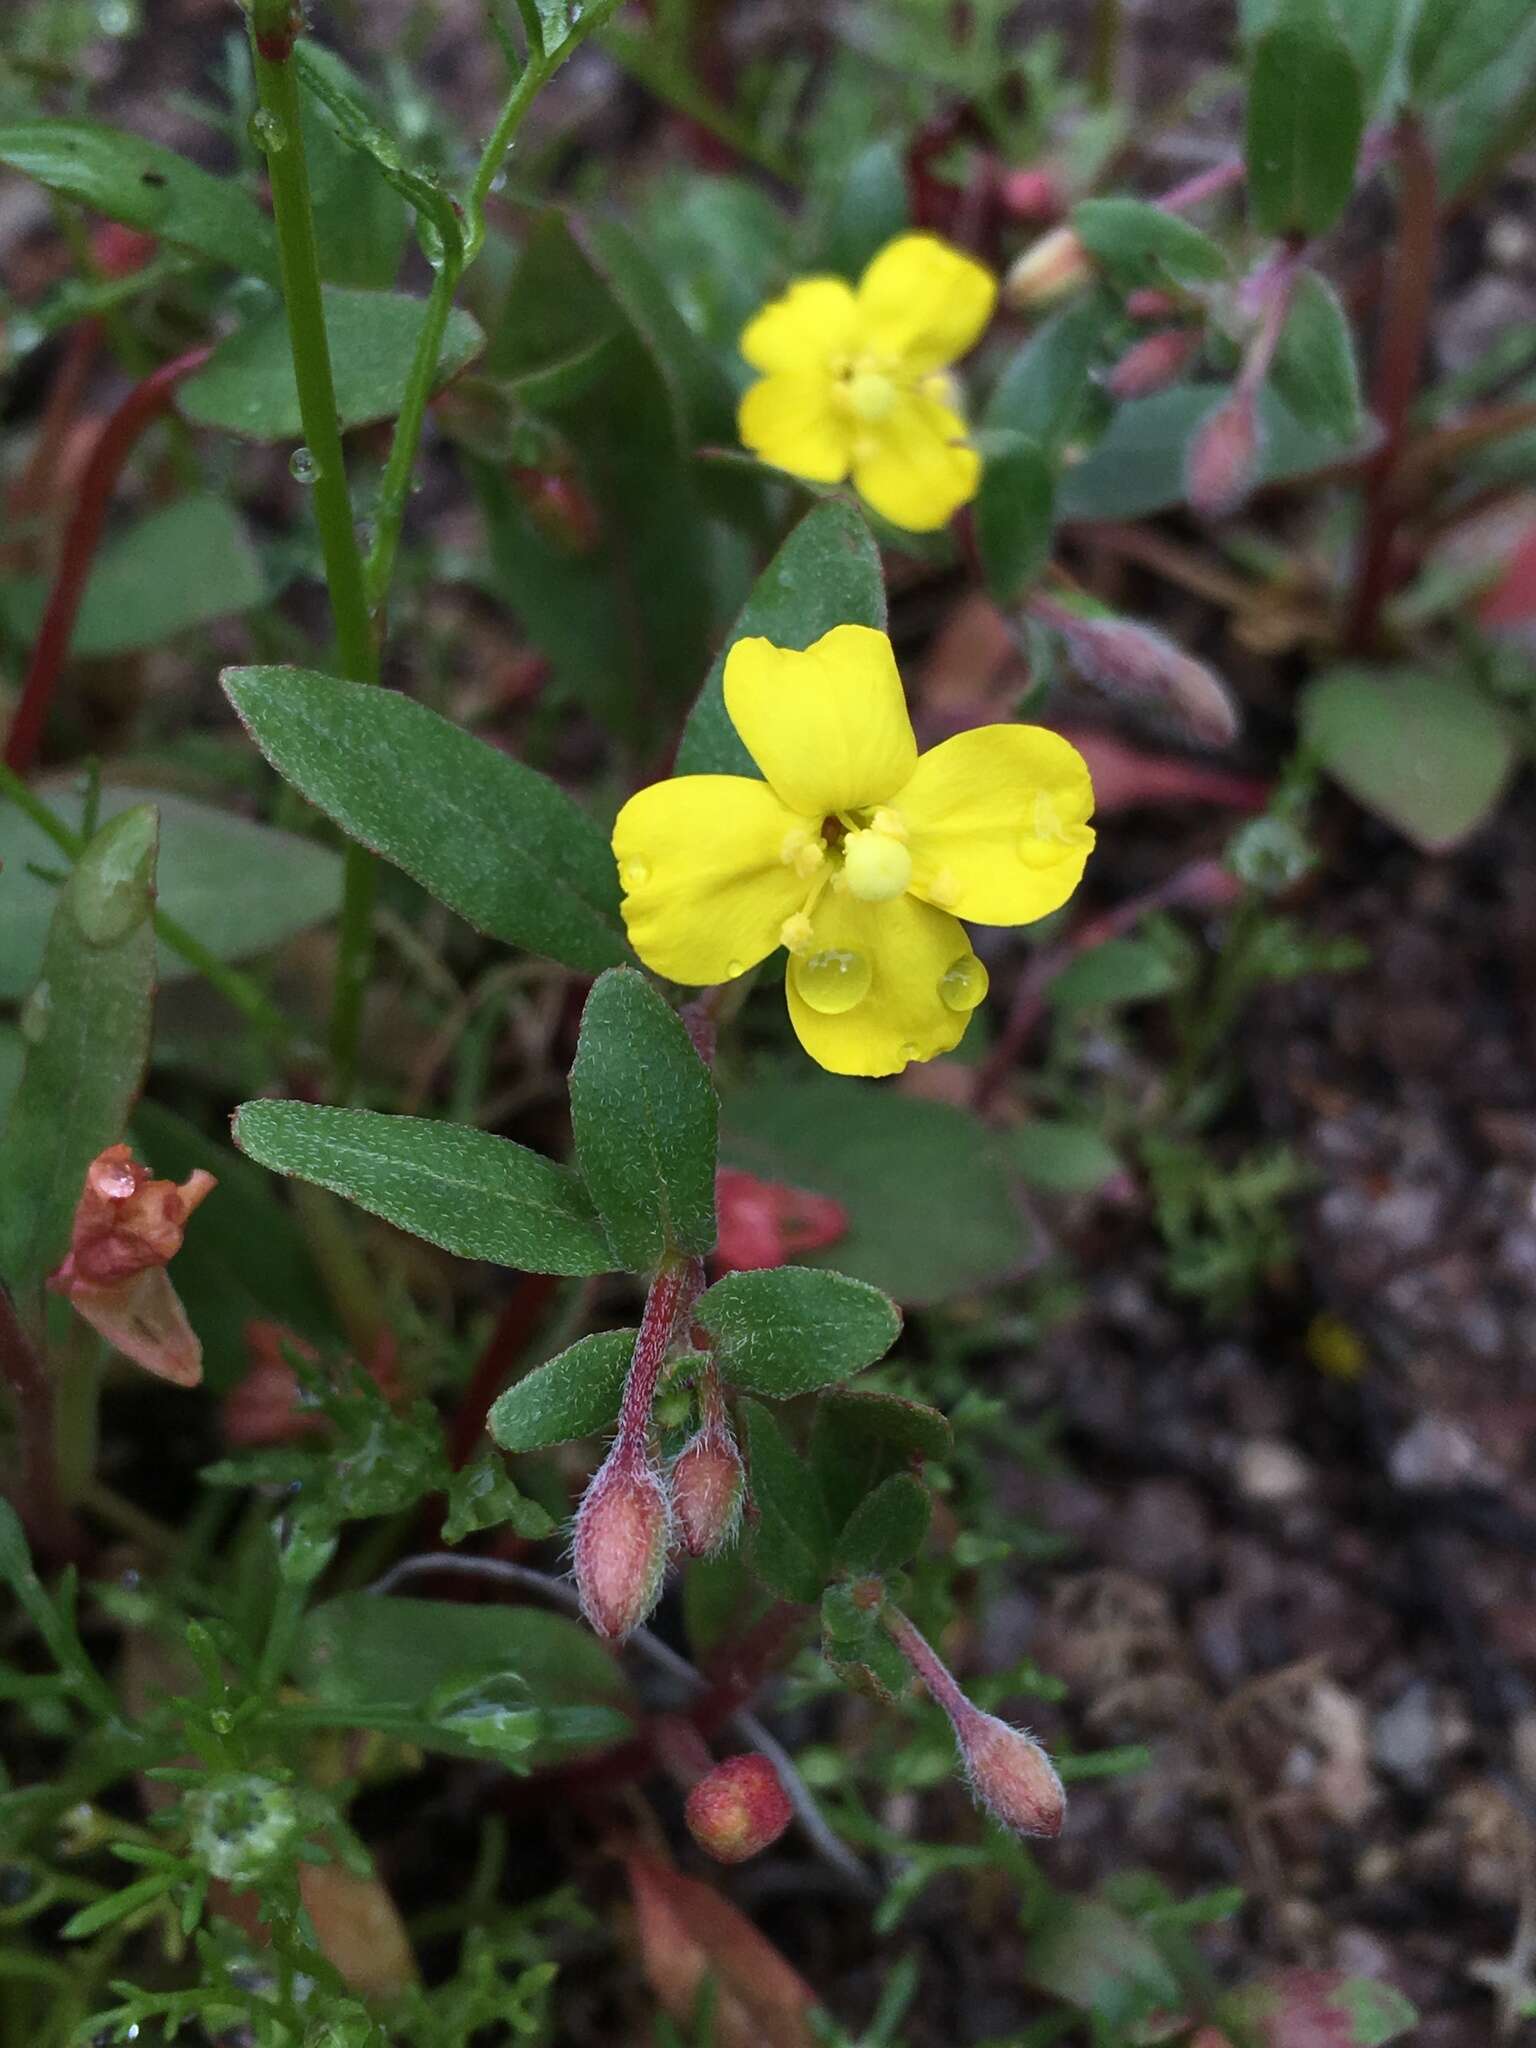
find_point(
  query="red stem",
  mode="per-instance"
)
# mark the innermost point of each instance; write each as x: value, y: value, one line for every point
x: 672, y: 1294
x: 928, y: 1665
x: 1404, y: 336
x: 39, y: 1502
x: 115, y: 443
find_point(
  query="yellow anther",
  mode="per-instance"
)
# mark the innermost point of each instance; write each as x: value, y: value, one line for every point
x: 870, y: 395
x: 890, y: 822
x: 803, y: 851
x: 877, y: 866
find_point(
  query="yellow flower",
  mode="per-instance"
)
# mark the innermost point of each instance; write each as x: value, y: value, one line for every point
x: 854, y: 854
x: 855, y: 382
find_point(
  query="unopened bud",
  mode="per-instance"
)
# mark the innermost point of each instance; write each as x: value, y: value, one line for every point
x: 623, y: 1528
x: 1222, y: 462
x: 560, y: 508
x: 1148, y: 303
x: 1034, y: 196
x: 739, y: 1809
x: 1153, y: 363
x: 708, y: 1486
x: 1131, y: 660
x: 1056, y: 265
x: 1010, y: 1774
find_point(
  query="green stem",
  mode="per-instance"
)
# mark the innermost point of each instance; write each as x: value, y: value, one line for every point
x: 357, y: 649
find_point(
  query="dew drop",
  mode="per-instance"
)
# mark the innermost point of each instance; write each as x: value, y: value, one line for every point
x: 634, y: 874
x: 832, y: 980
x: 36, y: 1012
x: 733, y: 968
x: 909, y: 1050
x: 302, y: 466
x: 964, y: 984
x: 268, y: 132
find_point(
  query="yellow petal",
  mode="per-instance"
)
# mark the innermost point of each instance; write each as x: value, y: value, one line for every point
x: 803, y: 329
x: 829, y: 726
x: 910, y: 948
x: 790, y: 420
x: 915, y: 466
x: 706, y: 888
x: 997, y: 823
x: 924, y: 302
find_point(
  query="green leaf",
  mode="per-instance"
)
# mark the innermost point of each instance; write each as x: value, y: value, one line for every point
x: 118, y: 1905
x: 1096, y: 1959
x: 1063, y: 1158
x: 1456, y: 39
x: 1141, y: 244
x: 868, y: 208
x: 238, y: 887
x: 909, y: 1428
x: 1046, y: 385
x: 826, y: 574
x: 1377, y: 2012
x: 1118, y: 971
x: 145, y: 187
x: 790, y: 1547
x: 643, y: 1115
x: 361, y: 225
x: 180, y: 567
x: 927, y: 1188
x: 575, y: 1394
x: 247, y: 386
x: 887, y: 1528
x: 1306, y: 115
x: 1015, y: 514
x: 1137, y: 467
x: 482, y: 1496
x: 1428, y: 752
x: 1315, y: 370
x: 791, y: 1329
x: 494, y: 840
x: 381, y: 1657
x: 721, y: 1602
x: 624, y: 630
x: 245, y: 1258
x: 87, y: 1029
x: 855, y: 1644
x: 479, y: 1196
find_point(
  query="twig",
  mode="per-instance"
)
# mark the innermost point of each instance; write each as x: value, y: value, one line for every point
x: 831, y: 1849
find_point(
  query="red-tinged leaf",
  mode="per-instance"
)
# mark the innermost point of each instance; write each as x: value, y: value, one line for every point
x: 766, y: 1223
x: 1512, y: 600
x: 688, y: 1933
x: 1321, y: 2009
x: 1124, y: 776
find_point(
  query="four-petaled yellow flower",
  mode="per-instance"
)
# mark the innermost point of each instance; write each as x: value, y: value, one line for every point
x: 853, y: 853
x: 855, y: 380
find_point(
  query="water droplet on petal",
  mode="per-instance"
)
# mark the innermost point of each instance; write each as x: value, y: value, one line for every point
x: 733, y: 968
x: 35, y: 1014
x: 634, y: 874
x: 302, y: 466
x: 832, y: 980
x: 909, y: 1050
x: 964, y: 984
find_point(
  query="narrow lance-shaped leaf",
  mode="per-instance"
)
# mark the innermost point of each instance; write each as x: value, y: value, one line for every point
x: 887, y: 1527
x: 1015, y: 514
x: 643, y: 1115
x: 826, y: 574
x: 474, y: 1194
x: 1456, y: 39
x: 493, y: 839
x: 794, y: 1328
x: 146, y: 187
x: 1306, y: 115
x: 87, y: 1027
x: 576, y: 1393
x: 1315, y: 370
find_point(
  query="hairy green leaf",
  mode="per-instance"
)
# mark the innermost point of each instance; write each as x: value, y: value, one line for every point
x: 791, y: 1329
x: 790, y: 1547
x: 576, y: 1393
x: 1306, y: 115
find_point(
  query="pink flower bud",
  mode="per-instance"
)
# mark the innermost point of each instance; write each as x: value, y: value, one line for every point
x: 708, y: 1487
x: 1054, y: 266
x: 1034, y: 196
x: 1131, y: 660
x: 1151, y: 304
x: 127, y: 1228
x: 1153, y: 364
x: 1010, y: 1774
x: 1223, y: 458
x: 739, y: 1809
x: 623, y: 1530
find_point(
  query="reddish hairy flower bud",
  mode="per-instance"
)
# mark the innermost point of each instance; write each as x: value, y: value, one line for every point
x: 739, y: 1809
x: 1131, y: 660
x: 1055, y: 265
x: 1223, y: 458
x: 765, y: 1222
x: 127, y: 1228
x: 1034, y: 196
x: 1153, y: 363
x: 1010, y: 1774
x: 623, y: 1531
x: 708, y: 1485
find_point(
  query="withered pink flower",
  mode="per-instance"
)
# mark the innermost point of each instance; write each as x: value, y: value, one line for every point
x: 265, y: 1408
x: 128, y: 1226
